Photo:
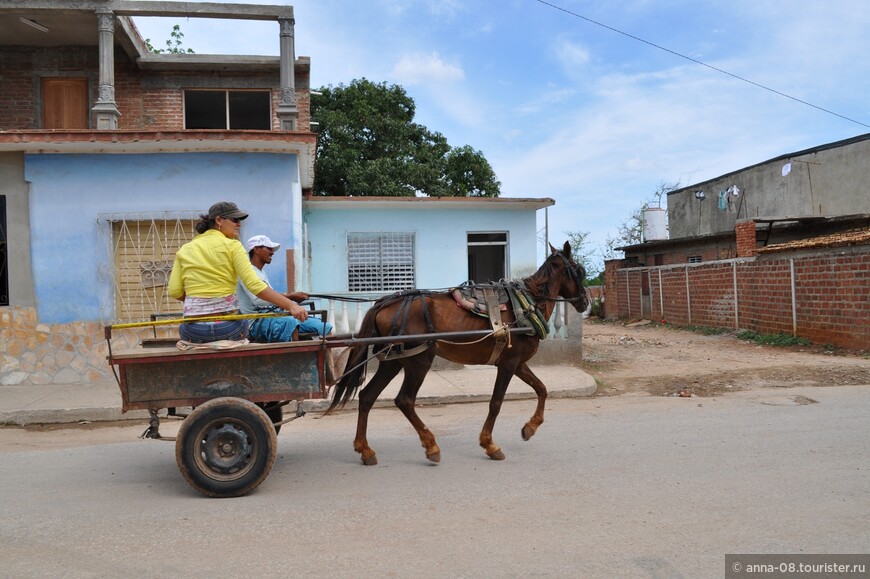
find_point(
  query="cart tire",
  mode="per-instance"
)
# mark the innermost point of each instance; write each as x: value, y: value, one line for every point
x: 226, y: 447
x: 275, y: 414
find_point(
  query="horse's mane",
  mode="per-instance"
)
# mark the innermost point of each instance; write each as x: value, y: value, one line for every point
x: 539, y: 282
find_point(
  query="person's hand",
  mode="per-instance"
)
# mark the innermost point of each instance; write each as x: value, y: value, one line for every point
x: 298, y: 312
x: 298, y: 296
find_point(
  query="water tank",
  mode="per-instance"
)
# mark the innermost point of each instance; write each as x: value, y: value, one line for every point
x: 655, y: 224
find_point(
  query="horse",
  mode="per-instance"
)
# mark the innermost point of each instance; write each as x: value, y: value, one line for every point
x: 559, y: 278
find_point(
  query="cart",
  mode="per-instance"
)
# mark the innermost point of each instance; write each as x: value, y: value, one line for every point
x: 227, y: 444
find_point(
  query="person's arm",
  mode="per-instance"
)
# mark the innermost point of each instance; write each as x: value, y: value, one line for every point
x: 297, y: 296
x: 284, y: 302
x: 176, y: 287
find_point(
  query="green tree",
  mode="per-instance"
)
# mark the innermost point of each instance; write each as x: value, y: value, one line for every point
x: 369, y: 145
x: 173, y: 45
x: 583, y: 252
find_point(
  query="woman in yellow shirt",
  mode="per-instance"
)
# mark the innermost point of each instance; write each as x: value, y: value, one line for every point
x: 205, y: 273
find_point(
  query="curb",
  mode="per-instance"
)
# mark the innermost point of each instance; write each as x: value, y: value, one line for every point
x: 95, y: 414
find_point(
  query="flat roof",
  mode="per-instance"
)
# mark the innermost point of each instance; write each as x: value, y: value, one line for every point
x: 324, y: 202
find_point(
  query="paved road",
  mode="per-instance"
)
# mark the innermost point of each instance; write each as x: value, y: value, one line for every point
x: 631, y: 486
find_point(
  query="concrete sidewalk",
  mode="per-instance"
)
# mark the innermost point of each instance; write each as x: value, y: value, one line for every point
x: 101, y: 401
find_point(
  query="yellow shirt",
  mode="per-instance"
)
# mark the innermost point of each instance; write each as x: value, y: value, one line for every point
x: 209, y: 266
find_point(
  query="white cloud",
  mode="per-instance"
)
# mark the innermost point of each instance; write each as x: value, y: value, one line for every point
x: 571, y: 55
x: 414, y: 69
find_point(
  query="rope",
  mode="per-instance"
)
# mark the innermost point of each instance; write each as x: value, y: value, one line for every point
x: 504, y: 328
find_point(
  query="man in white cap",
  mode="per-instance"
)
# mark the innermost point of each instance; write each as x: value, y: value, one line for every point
x: 278, y: 329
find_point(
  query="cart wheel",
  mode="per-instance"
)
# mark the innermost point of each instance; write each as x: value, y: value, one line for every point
x: 226, y: 447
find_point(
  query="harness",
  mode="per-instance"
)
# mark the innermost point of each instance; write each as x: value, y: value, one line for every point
x: 489, y: 300
x: 400, y: 320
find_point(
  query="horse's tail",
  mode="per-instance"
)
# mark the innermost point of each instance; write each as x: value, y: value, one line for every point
x: 354, y: 370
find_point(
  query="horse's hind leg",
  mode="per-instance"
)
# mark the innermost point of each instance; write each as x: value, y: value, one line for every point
x: 416, y: 369
x: 526, y: 375
x: 387, y: 370
x: 503, y: 378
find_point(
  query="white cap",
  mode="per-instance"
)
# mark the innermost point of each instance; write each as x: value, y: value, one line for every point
x: 261, y: 240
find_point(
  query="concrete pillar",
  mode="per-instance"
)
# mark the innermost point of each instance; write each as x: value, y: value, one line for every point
x: 288, y: 113
x: 106, y: 109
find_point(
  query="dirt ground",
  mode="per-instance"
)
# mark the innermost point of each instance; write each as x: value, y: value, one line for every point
x: 668, y: 361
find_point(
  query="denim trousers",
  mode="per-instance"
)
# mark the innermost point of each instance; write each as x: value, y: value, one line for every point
x: 202, y: 332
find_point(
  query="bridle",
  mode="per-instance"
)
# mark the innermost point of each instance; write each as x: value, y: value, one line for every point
x: 575, y: 277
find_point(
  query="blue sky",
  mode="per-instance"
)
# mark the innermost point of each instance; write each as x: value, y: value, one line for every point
x: 567, y: 109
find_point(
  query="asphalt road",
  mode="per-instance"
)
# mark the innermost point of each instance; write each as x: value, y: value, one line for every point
x: 633, y: 486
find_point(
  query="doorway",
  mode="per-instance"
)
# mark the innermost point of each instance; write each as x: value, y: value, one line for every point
x: 487, y: 256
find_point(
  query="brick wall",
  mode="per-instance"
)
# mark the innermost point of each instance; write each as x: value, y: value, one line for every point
x: 147, y: 100
x: 822, y: 294
x: 744, y: 231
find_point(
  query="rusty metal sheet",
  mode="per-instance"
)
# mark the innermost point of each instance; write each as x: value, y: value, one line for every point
x: 259, y: 377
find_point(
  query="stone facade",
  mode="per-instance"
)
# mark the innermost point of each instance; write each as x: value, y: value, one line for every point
x: 74, y: 353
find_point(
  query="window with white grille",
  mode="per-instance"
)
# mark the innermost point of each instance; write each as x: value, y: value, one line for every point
x: 380, y: 262
x: 138, y: 252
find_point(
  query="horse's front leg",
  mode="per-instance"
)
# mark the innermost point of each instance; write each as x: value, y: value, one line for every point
x: 526, y: 375
x: 367, y: 397
x: 503, y: 378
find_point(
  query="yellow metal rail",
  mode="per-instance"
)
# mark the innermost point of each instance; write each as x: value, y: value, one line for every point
x: 225, y: 317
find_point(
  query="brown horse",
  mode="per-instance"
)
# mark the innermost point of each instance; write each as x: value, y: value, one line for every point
x: 559, y: 278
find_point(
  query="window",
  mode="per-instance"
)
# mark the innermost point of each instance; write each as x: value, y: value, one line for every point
x: 4, y: 255
x: 487, y: 256
x: 228, y: 109
x: 141, y: 250
x: 380, y: 262
x: 695, y: 259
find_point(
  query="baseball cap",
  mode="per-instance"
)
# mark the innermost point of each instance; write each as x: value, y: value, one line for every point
x: 261, y: 241
x: 226, y: 209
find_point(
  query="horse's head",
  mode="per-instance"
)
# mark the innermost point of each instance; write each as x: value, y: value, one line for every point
x: 573, y: 274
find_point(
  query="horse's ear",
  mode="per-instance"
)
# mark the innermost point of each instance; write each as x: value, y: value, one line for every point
x: 567, y: 249
x: 552, y: 249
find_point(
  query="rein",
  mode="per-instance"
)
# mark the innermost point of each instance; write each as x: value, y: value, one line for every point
x: 575, y: 277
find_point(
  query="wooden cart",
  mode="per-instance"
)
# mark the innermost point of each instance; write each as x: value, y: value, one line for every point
x: 227, y: 444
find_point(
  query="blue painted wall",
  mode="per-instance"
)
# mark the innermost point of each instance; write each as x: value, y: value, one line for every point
x: 67, y: 192
x: 441, y: 242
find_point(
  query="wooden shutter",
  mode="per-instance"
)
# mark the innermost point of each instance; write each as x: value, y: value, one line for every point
x: 64, y: 103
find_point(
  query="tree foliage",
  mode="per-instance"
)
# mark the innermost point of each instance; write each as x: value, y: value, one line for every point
x: 369, y: 145
x: 583, y: 252
x: 173, y: 44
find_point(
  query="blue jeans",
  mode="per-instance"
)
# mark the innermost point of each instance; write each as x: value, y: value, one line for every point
x: 270, y: 330
x: 202, y: 332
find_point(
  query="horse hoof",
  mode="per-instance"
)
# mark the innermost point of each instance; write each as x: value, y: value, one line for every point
x: 528, y: 432
x: 370, y: 461
x: 434, y: 457
x: 497, y: 455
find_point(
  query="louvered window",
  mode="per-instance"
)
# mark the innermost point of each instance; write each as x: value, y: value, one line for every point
x: 380, y: 262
